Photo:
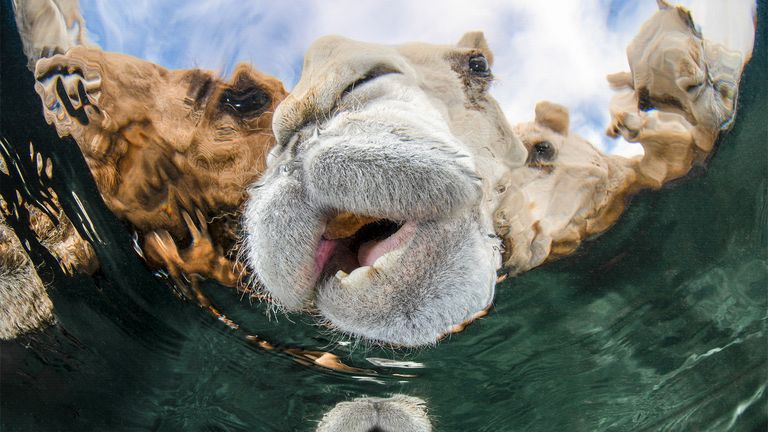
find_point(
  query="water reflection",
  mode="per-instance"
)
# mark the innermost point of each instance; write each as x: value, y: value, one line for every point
x: 658, y: 325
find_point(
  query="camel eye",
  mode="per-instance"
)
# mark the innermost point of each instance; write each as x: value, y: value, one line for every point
x: 244, y: 101
x: 542, y: 152
x: 478, y: 65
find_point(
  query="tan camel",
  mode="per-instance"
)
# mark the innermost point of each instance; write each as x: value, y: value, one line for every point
x: 169, y: 150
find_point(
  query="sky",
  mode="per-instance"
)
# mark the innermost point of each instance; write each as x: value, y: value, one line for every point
x: 557, y: 50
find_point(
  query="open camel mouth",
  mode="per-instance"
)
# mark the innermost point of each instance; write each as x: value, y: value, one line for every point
x: 386, y: 280
x: 350, y: 252
x: 353, y: 254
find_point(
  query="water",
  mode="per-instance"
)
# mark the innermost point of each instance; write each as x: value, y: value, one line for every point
x: 658, y: 325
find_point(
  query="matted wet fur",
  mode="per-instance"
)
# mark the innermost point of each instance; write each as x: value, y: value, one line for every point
x: 24, y: 302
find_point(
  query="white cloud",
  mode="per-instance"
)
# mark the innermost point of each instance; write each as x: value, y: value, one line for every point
x: 558, y: 50
x: 730, y: 23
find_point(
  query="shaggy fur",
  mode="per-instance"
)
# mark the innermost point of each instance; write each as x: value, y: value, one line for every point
x: 24, y: 302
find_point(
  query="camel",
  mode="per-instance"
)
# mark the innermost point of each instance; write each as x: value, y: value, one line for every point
x: 171, y: 152
x: 396, y: 137
x: 397, y: 189
x: 680, y: 94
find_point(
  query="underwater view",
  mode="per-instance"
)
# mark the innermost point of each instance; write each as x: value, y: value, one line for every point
x: 652, y: 319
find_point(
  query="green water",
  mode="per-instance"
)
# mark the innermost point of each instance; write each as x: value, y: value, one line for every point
x: 658, y: 325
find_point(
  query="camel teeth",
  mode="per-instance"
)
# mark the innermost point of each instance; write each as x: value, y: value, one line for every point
x: 386, y: 260
x: 341, y: 275
x: 357, y: 277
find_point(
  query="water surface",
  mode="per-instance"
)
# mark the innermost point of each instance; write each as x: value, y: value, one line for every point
x: 660, y: 324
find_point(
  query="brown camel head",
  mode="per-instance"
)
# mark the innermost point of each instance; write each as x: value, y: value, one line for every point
x: 161, y: 142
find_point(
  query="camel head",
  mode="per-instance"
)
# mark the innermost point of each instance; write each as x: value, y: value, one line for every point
x: 375, y: 208
x: 160, y: 142
x: 567, y: 191
x: 674, y: 68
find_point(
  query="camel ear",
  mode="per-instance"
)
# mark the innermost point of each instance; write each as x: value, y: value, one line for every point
x: 476, y: 40
x: 553, y: 116
x: 685, y: 16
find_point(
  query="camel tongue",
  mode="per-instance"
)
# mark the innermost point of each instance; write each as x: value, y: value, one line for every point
x: 372, y: 250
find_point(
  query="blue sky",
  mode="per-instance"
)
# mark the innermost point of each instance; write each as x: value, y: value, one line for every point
x: 558, y: 50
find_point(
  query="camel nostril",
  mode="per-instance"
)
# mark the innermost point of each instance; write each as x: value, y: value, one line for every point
x: 373, y: 73
x: 84, y: 100
x: 78, y: 113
